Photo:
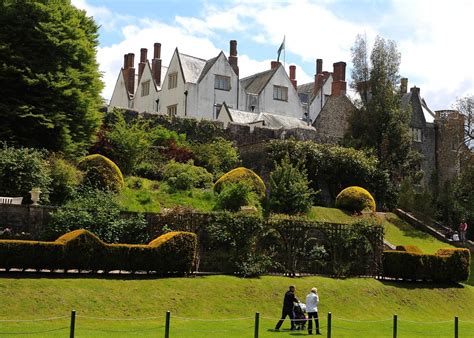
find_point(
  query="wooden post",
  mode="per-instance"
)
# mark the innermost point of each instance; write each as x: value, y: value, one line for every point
x: 257, y: 323
x: 395, y: 319
x: 73, y: 324
x: 167, y: 324
x: 329, y: 324
x: 456, y: 327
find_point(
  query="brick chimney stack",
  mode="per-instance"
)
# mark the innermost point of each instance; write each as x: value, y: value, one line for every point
x: 141, y: 65
x: 339, y: 79
x: 403, y: 85
x: 129, y: 72
x: 156, y: 63
x: 318, y: 77
x: 274, y: 64
x: 233, y: 59
x: 293, y: 76
x: 319, y: 66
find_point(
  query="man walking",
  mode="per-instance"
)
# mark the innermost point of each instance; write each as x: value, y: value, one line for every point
x: 462, y: 230
x: 312, y: 300
x: 288, y: 303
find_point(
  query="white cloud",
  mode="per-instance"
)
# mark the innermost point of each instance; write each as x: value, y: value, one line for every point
x: 107, y: 19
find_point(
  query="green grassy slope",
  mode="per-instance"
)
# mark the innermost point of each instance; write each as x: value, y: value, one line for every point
x: 200, y: 305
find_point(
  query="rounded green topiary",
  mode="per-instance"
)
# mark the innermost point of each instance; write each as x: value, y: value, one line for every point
x: 241, y: 174
x: 355, y: 199
x: 100, y: 172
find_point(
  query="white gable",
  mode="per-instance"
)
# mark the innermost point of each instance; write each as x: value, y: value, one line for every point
x: 120, y: 97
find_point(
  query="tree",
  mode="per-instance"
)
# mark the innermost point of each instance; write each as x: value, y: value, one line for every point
x: 380, y: 124
x: 49, y: 75
x: 465, y: 106
x: 289, y: 188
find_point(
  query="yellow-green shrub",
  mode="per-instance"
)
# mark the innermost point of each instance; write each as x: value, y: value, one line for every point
x: 100, y: 172
x: 355, y: 199
x: 409, y: 248
x: 242, y: 174
x: 173, y: 252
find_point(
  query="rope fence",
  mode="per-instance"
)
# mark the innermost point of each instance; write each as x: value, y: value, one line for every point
x: 182, y: 324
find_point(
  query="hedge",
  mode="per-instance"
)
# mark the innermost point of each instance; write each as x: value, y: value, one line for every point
x: 173, y: 252
x: 101, y: 172
x: 447, y: 265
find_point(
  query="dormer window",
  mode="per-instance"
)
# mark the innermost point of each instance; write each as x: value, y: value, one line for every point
x: 222, y: 82
x: 173, y: 80
x: 280, y: 93
x: 416, y: 135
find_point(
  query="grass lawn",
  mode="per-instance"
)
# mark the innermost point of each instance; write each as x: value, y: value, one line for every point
x: 152, y: 196
x: 225, y: 306
x: 331, y: 215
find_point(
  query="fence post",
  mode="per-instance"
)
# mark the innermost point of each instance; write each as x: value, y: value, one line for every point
x: 167, y: 324
x: 395, y: 323
x: 456, y: 327
x: 329, y: 324
x: 257, y: 323
x: 73, y: 324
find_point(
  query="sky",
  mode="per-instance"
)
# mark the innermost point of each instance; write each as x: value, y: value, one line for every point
x: 435, y: 38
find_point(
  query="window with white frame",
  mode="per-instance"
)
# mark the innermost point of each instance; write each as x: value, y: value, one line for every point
x: 172, y: 110
x: 146, y: 88
x: 222, y: 82
x: 416, y: 134
x: 173, y: 80
x: 280, y: 93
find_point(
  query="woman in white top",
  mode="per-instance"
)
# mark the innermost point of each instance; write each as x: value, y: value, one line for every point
x: 312, y: 300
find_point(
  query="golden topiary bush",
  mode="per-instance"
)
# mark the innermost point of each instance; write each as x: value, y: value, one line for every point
x: 101, y: 172
x: 355, y: 199
x: 242, y: 174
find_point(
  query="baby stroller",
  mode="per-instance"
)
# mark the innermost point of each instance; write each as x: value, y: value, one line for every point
x: 299, y: 310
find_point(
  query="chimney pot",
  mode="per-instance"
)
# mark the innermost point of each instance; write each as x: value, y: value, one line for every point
x: 125, y: 61
x: 292, y: 72
x: 131, y: 60
x: 157, y: 50
x: 319, y: 66
x: 143, y: 54
x: 233, y: 48
x: 233, y: 59
x: 339, y: 73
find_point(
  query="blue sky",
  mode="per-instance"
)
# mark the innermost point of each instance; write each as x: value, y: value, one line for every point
x: 434, y: 37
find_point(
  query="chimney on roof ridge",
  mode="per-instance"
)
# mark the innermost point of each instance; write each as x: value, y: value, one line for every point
x: 129, y: 72
x: 319, y: 66
x: 318, y: 82
x: 141, y: 65
x: 274, y: 64
x: 403, y: 85
x: 293, y: 76
x: 233, y: 59
x: 339, y: 84
x: 156, y: 63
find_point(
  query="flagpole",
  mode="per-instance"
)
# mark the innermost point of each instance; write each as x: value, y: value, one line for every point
x: 284, y: 53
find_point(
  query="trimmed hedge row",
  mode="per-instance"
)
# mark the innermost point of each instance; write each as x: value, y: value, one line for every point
x: 409, y: 263
x: 173, y: 252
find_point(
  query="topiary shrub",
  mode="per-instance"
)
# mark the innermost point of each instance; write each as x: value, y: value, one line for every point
x: 239, y: 175
x: 100, y: 172
x: 355, y: 199
x: 184, y: 176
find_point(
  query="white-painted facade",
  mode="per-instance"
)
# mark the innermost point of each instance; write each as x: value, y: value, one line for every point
x: 319, y: 100
x: 146, y: 93
x: 263, y: 98
x: 120, y: 97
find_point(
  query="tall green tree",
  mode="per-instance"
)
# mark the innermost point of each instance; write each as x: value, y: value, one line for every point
x: 381, y: 123
x: 49, y: 75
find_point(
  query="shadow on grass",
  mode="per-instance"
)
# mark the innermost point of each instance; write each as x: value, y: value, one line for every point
x: 407, y: 229
x: 89, y: 275
x: 411, y: 285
